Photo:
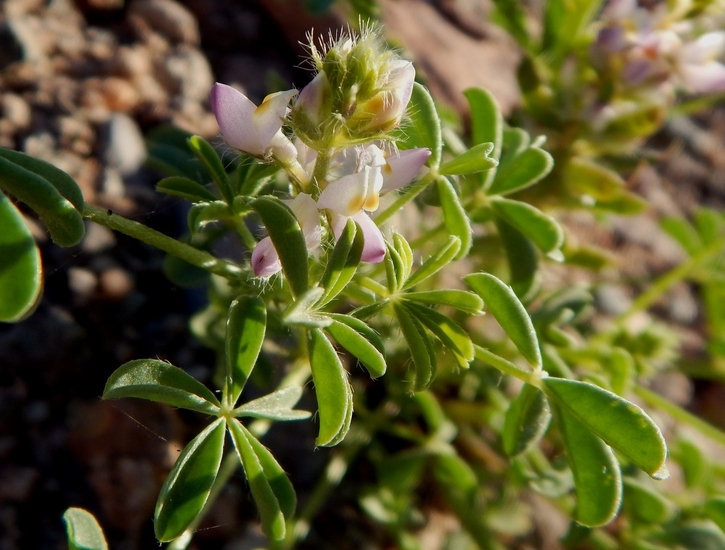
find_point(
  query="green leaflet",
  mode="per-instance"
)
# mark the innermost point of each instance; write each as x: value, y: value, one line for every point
x: 210, y: 159
x: 83, y: 530
x: 462, y: 300
x: 424, y: 129
x: 645, y: 504
x: 475, y: 160
x: 486, y: 119
x: 435, y: 263
x: 272, y: 491
x: 275, y: 406
x: 715, y: 510
x: 597, y: 478
x: 451, y: 335
x: 333, y: 391
x: 454, y: 216
x: 361, y: 341
x: 187, y: 487
x: 342, y: 263
x: 288, y: 239
x: 185, y: 188
x: 161, y: 382
x: 60, y: 216
x: 521, y: 171
x: 203, y: 213
x: 246, y: 326
x: 522, y: 259
x: 510, y: 314
x: 621, y: 424
x: 305, y: 311
x: 540, y: 228
x: 526, y: 422
x: 21, y: 271
x: 419, y: 344
x: 169, y: 153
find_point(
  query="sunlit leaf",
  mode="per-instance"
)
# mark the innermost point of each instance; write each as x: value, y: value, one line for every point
x: 261, y: 470
x: 508, y: 310
x: 597, y: 478
x: 522, y: 171
x: 246, y: 326
x: 185, y: 188
x: 435, y: 263
x: 60, y: 216
x: 275, y: 406
x: 203, y: 213
x: 83, y: 530
x: 454, y: 216
x: 486, y: 119
x: 646, y: 504
x: 541, y: 229
x: 161, y: 382
x: 304, y: 312
x: 333, y: 391
x: 475, y: 160
x: 527, y: 420
x: 361, y: 341
x: 621, y: 424
x: 451, y: 335
x: 462, y: 300
x: 187, y: 487
x: 424, y: 359
x: 21, y: 271
x: 424, y: 127
x: 342, y: 263
x: 288, y: 239
x: 522, y: 259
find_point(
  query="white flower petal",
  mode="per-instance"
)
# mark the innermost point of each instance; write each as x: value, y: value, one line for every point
x: 305, y: 210
x: 346, y: 195
x: 265, y: 260
x: 402, y: 167
x: 707, y: 47
x: 268, y: 117
x: 233, y: 112
x: 704, y: 79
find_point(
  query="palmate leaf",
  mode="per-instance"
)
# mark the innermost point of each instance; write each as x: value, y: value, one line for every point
x: 275, y: 406
x: 333, y: 391
x: 187, y: 487
x: 21, y: 271
x: 450, y: 334
x: 288, y: 240
x: 510, y: 313
x: 246, y: 326
x: 83, y: 530
x: 161, y: 382
x: 597, y: 477
x: 421, y: 350
x: 621, y: 424
x: 272, y: 491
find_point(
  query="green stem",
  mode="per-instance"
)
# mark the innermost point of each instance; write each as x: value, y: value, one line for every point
x: 661, y: 285
x: 507, y: 367
x: 404, y: 198
x: 158, y: 240
x: 681, y: 415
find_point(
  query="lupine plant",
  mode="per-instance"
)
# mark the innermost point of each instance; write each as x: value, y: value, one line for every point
x: 400, y: 272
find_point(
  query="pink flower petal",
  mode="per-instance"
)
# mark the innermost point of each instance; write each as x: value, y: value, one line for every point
x: 403, y: 167
x: 374, y: 244
x: 347, y: 195
x: 233, y: 112
x: 268, y: 117
x: 704, y: 79
x: 305, y: 210
x: 265, y: 260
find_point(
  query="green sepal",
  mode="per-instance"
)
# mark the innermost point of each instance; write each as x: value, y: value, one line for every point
x: 275, y: 406
x: 450, y: 334
x: 161, y: 382
x: 522, y: 259
x: 597, y: 478
x: 526, y: 421
x: 60, y: 216
x: 421, y: 350
x: 455, y: 218
x: 185, y: 188
x: 462, y: 300
x: 83, y: 530
x: 424, y: 127
x: 63, y: 183
x: 333, y: 391
x: 435, y: 263
x: 510, y: 314
x: 288, y: 240
x: 271, y: 489
x: 206, y: 154
x: 541, y: 229
x: 187, y: 487
x: 521, y: 171
x: 475, y: 160
x: 361, y: 341
x: 21, y: 270
x: 621, y: 424
x: 246, y: 326
x: 342, y: 263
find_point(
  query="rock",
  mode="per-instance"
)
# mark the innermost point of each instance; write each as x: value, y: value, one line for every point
x: 169, y: 18
x: 17, y: 482
x: 16, y: 111
x: 97, y: 239
x: 116, y: 283
x: 124, y: 148
x: 82, y: 281
x: 188, y: 74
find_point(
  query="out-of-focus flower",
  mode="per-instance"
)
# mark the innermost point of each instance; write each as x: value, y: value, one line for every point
x: 265, y: 260
x: 254, y: 130
x: 357, y: 193
x: 698, y: 67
